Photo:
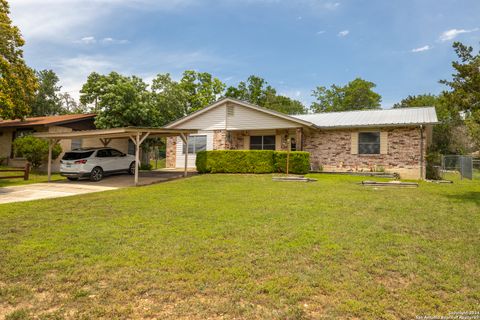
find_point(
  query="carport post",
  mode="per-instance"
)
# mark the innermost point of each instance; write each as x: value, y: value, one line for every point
x: 137, y: 156
x: 185, y: 140
x: 49, y: 164
x: 51, y: 143
x: 138, y: 141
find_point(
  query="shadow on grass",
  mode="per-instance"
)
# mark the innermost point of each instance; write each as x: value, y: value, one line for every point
x: 472, y: 196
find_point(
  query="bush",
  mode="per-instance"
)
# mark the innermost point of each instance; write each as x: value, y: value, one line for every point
x: 35, y: 150
x: 251, y: 161
x: 146, y: 166
x: 433, y: 166
x: 299, y: 162
x: 235, y: 161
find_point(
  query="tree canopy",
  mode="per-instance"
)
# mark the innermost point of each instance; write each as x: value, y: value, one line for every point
x: 119, y: 101
x: 464, y: 94
x: 358, y: 94
x: 47, y: 98
x: 257, y: 91
x: 17, y: 80
x: 421, y: 100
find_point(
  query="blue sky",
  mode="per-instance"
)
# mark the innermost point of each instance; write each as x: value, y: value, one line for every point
x: 402, y: 46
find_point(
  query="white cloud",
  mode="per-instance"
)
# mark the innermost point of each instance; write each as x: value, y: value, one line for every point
x: 109, y: 40
x: 73, y: 72
x: 88, y: 40
x: 105, y: 41
x: 343, y: 33
x: 332, y: 5
x: 453, y: 33
x: 61, y: 20
x: 421, y: 49
x: 321, y: 32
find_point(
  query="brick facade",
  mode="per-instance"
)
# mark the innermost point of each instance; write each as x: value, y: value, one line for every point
x: 332, y: 150
x: 171, y: 152
x: 220, y: 140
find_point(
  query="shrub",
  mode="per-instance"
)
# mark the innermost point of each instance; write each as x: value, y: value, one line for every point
x: 433, y: 160
x: 251, y: 161
x: 299, y: 162
x: 235, y: 161
x: 35, y: 150
x: 146, y: 166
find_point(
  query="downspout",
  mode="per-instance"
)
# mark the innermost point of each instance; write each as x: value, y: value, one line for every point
x: 422, y: 158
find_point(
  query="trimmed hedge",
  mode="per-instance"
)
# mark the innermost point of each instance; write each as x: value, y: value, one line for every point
x: 299, y: 162
x: 251, y: 161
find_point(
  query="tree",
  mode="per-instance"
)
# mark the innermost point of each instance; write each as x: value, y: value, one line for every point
x: 119, y: 101
x: 70, y: 105
x: 201, y: 89
x: 169, y: 98
x: 194, y: 91
x: 464, y: 96
x: 17, y: 80
x: 449, y: 135
x: 421, y: 100
x: 257, y: 91
x: 35, y: 150
x: 355, y: 95
x: 47, y: 101
x: 285, y: 104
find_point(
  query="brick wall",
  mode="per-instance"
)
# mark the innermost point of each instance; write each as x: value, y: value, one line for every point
x: 220, y: 140
x: 332, y: 150
x: 171, y: 152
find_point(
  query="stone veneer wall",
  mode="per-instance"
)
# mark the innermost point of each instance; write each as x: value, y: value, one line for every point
x: 171, y: 152
x: 220, y: 140
x: 332, y: 150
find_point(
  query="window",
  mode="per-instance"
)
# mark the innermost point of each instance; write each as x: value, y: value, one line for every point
x: 116, y: 153
x: 196, y: 144
x: 293, y: 144
x: 76, y: 144
x: 369, y: 143
x: 77, y: 155
x: 103, y: 153
x: 131, y: 147
x: 262, y: 143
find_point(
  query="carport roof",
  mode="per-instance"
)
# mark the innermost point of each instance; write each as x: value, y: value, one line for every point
x: 113, y: 133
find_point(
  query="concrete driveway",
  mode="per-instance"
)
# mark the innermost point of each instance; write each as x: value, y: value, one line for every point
x: 70, y: 188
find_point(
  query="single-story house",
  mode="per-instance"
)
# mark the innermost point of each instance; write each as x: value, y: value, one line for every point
x: 393, y: 140
x: 12, y: 129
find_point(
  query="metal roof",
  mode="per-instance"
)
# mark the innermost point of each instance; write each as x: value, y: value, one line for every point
x: 114, y: 133
x: 369, y: 118
x: 47, y: 120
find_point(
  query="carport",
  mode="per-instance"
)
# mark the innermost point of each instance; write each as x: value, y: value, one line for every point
x: 136, y: 134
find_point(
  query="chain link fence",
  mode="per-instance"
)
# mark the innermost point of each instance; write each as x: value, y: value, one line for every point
x: 466, y: 166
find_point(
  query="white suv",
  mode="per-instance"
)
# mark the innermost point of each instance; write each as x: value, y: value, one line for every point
x: 95, y: 163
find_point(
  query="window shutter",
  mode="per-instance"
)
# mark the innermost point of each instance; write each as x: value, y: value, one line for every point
x: 246, y: 142
x: 354, y: 147
x: 384, y: 142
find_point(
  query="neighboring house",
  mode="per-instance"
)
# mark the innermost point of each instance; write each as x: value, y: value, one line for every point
x: 12, y: 129
x: 392, y: 140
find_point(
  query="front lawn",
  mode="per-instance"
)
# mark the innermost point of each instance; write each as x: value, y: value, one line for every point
x: 244, y: 247
x: 34, y: 177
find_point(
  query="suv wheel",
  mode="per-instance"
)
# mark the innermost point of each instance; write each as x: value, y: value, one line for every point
x: 131, y: 169
x: 96, y: 174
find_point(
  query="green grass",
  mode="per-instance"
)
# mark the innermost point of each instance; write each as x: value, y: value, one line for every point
x: 161, y: 163
x: 34, y: 177
x: 242, y: 246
